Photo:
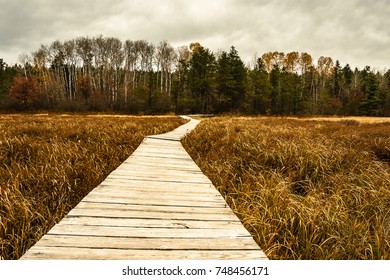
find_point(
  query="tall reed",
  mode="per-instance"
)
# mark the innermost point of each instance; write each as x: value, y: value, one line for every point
x: 305, y: 189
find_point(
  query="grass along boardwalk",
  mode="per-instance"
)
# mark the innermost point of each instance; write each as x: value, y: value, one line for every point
x: 156, y: 205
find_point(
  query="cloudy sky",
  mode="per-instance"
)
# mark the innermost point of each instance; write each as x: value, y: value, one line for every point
x: 354, y: 31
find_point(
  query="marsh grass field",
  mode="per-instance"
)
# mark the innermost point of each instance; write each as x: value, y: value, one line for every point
x: 315, y: 188
x: 48, y: 163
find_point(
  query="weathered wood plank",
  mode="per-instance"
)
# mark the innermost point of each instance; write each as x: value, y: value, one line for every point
x: 158, y: 176
x: 159, y: 171
x: 162, y: 195
x: 147, y: 223
x: 164, y: 168
x: 125, y: 181
x: 111, y: 212
x: 158, y: 164
x: 105, y: 242
x: 133, y: 194
x: 156, y: 209
x: 71, y: 253
x: 147, y: 233
x: 150, y: 162
x: 154, y: 201
x: 147, y: 186
x: 165, y: 156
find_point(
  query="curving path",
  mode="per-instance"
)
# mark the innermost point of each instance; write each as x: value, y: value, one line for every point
x: 156, y: 205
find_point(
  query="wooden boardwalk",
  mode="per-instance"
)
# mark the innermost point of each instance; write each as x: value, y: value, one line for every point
x: 155, y: 205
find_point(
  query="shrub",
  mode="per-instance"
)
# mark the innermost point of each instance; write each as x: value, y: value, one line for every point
x: 24, y: 93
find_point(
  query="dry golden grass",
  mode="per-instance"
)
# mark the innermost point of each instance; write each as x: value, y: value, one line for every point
x: 305, y: 189
x: 48, y: 163
x: 353, y: 119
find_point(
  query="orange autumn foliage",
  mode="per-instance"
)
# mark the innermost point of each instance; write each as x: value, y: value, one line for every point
x: 24, y: 93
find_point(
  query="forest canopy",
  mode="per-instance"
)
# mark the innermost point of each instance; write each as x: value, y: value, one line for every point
x: 106, y: 74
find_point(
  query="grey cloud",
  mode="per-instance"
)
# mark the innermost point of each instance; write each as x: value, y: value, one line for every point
x: 354, y: 31
x: 24, y: 25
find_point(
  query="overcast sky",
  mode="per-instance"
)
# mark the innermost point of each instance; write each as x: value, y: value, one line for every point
x: 354, y: 31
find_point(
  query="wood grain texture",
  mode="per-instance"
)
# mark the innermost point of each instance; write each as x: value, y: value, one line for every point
x: 156, y: 205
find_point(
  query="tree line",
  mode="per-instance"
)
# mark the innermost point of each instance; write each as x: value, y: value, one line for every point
x: 106, y: 74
